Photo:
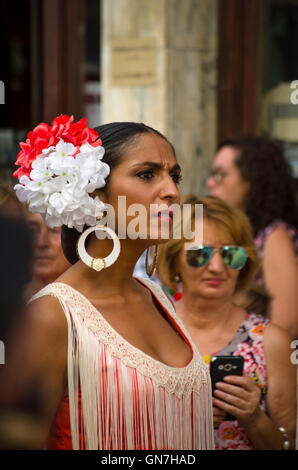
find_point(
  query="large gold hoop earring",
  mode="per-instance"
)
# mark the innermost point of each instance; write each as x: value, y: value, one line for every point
x: 98, y: 263
x: 150, y: 270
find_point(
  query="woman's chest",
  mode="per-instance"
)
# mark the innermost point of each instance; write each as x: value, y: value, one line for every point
x: 145, y: 327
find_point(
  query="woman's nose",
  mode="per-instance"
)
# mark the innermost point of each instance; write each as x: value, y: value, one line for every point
x: 216, y: 263
x: 210, y: 182
x: 169, y: 190
x: 42, y: 238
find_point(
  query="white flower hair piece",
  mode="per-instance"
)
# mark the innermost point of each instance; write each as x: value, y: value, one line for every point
x: 61, y: 179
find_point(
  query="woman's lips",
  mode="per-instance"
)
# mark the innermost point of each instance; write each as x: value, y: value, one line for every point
x: 42, y: 259
x: 165, y: 216
x: 214, y: 282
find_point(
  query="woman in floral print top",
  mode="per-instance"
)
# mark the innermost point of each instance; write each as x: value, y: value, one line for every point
x: 264, y: 398
x: 248, y: 343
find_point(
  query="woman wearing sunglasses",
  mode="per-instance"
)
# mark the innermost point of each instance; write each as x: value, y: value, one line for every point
x: 262, y: 401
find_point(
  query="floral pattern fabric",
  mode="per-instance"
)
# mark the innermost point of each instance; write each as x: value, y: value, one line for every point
x: 248, y: 342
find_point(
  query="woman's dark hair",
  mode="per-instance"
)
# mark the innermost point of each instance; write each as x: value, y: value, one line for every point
x: 272, y: 194
x: 116, y: 137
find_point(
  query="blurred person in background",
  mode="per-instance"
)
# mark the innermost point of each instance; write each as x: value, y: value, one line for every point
x: 263, y: 399
x: 31, y: 258
x: 252, y: 174
x: 16, y: 252
x: 49, y: 261
x: 10, y: 206
x: 18, y: 427
x: 48, y: 258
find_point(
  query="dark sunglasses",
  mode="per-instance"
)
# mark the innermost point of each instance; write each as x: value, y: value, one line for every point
x: 233, y: 256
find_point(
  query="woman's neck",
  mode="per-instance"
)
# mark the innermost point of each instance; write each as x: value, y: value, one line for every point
x: 205, y: 313
x: 111, y: 281
x: 211, y: 323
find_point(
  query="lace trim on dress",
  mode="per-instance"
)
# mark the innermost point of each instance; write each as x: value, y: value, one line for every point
x: 176, y: 380
x: 129, y: 399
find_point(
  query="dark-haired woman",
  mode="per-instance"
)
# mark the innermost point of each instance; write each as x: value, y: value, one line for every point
x: 251, y: 173
x: 121, y: 370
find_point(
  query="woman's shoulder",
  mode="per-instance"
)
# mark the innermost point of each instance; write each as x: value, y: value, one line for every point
x: 53, y: 289
x: 46, y: 307
x: 277, y: 230
x: 277, y: 344
x: 275, y: 334
x: 279, y: 226
x: 283, y: 242
x: 45, y: 320
x: 58, y: 291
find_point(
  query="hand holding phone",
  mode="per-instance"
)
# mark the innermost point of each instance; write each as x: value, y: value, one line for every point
x: 220, y: 367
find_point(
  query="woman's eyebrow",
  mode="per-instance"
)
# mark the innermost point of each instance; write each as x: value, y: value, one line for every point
x: 158, y: 166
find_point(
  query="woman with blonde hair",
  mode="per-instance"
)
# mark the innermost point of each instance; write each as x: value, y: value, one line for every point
x: 262, y: 402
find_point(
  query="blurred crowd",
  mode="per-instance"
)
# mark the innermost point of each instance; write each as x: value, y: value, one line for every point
x: 237, y: 294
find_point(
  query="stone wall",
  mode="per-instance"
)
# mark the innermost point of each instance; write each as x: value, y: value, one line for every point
x: 181, y: 102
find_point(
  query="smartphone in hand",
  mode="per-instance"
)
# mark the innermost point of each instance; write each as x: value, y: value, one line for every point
x: 220, y: 367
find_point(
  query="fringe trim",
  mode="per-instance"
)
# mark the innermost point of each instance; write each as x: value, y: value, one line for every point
x: 122, y: 409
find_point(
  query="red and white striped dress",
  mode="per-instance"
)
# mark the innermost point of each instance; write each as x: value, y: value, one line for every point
x: 120, y: 398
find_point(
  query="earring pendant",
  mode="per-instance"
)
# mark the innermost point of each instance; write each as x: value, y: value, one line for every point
x: 150, y: 269
x: 98, y: 263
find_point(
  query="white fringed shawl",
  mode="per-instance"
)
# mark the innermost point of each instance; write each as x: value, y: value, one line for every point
x: 130, y: 400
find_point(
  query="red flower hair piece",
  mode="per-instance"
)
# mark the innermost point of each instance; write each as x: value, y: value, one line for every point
x: 44, y: 136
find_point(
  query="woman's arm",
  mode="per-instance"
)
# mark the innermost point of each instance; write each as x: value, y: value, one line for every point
x: 241, y: 395
x: 280, y: 272
x: 281, y: 378
x: 33, y: 377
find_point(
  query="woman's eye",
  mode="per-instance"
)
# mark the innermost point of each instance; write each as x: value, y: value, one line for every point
x: 177, y: 178
x: 146, y: 175
x: 149, y: 174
